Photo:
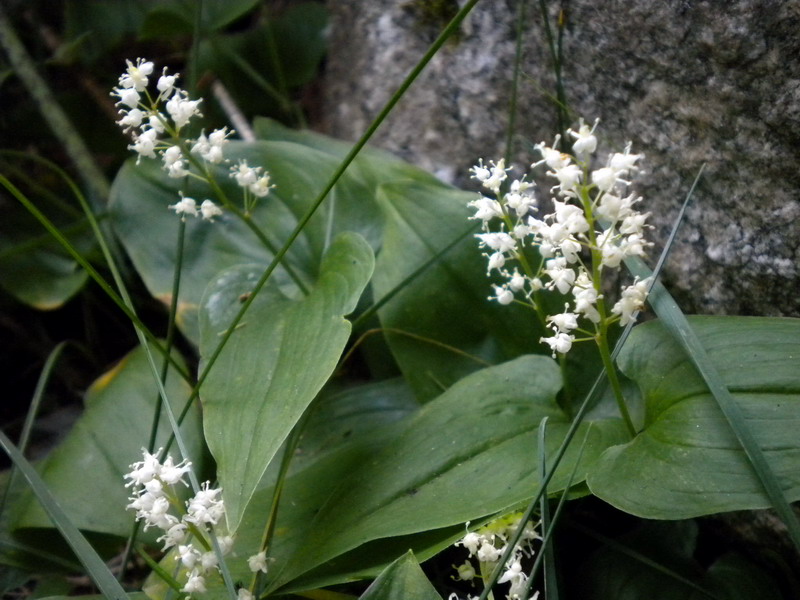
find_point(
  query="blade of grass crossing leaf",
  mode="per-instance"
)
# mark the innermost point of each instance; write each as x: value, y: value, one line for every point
x: 594, y: 394
x: 278, y: 257
x: 104, y: 285
x: 676, y: 323
x: 33, y: 411
x: 550, y: 576
x: 94, y: 565
x: 416, y: 273
x: 548, y: 533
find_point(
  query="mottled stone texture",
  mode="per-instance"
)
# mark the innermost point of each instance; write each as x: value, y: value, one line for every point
x: 689, y: 82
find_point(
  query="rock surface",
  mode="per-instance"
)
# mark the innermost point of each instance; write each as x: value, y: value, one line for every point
x: 689, y: 82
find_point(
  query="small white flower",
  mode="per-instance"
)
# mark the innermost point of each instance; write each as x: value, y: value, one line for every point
x: 195, y: 584
x: 552, y: 157
x: 145, y: 143
x: 172, y: 473
x: 499, y: 241
x: 488, y: 552
x: 466, y: 572
x: 181, y: 109
x: 497, y: 260
x: 145, y: 470
x: 174, y: 536
x: 261, y: 187
x: 244, y: 594
x: 561, y: 276
x: 208, y: 560
x: 188, y: 555
x: 258, y: 562
x: 486, y: 209
x: 136, y: 75
x: 559, y: 343
x: 564, y: 322
x: 185, y: 206
x: 503, y: 295
x: 480, y: 172
x: 498, y: 174
x: 585, y: 140
x: 605, y: 179
x: 133, y: 118
x: 568, y: 177
x: 623, y: 162
x: 471, y: 542
x: 244, y: 174
x: 516, y: 282
x: 166, y: 83
x: 209, y: 210
x: 225, y: 544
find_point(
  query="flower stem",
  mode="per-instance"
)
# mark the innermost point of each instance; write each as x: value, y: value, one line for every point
x: 605, y: 355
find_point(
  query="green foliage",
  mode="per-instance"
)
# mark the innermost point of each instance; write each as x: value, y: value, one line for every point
x: 274, y: 364
x: 686, y: 462
x: 85, y: 471
x: 402, y: 580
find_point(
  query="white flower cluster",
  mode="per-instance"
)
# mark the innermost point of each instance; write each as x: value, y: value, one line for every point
x: 592, y: 216
x: 154, y: 494
x: 488, y: 544
x: 157, y: 132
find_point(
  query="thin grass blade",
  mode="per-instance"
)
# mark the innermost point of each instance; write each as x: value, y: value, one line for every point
x: 550, y: 576
x: 33, y: 411
x: 94, y: 565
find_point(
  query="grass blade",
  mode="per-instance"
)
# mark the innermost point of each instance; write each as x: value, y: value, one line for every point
x: 33, y: 410
x: 550, y: 576
x: 94, y: 565
x: 675, y: 322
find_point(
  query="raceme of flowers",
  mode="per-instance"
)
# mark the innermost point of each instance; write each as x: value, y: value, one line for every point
x: 594, y: 226
x: 487, y: 545
x: 155, y: 500
x: 157, y: 124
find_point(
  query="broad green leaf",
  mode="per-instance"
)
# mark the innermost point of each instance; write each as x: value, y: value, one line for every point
x: 85, y: 472
x: 274, y: 364
x: 148, y: 230
x: 656, y: 561
x: 94, y: 565
x: 33, y: 267
x: 343, y: 430
x: 686, y: 462
x: 446, y: 305
x: 467, y: 454
x: 402, y: 580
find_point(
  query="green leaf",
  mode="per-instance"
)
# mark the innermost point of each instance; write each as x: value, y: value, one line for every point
x: 402, y: 580
x: 274, y: 364
x: 446, y: 307
x: 687, y: 461
x: 148, y: 230
x: 85, y: 472
x: 33, y: 267
x: 467, y: 454
x: 170, y: 17
x: 656, y: 561
x: 94, y: 565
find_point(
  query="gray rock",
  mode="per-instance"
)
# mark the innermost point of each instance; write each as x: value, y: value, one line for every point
x: 689, y: 82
